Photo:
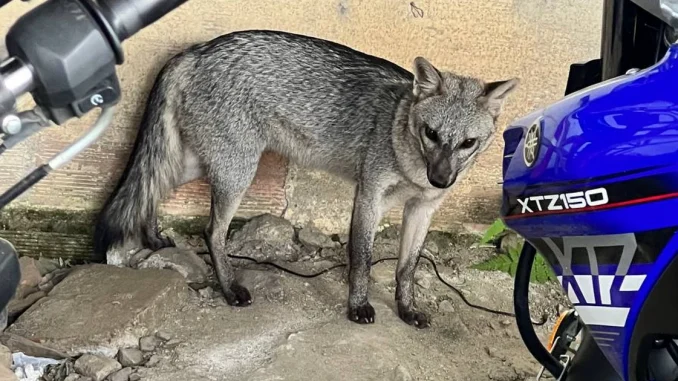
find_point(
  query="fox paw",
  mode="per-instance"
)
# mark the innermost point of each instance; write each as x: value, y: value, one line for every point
x: 238, y: 296
x: 415, y: 318
x: 361, y: 314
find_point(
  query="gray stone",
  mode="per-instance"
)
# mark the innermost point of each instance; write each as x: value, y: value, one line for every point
x: 121, y: 375
x: 206, y: 293
x: 149, y: 343
x: 47, y: 265
x: 424, y: 282
x: 153, y: 361
x: 313, y: 238
x: 422, y: 278
x: 134, y: 377
x: 7, y: 375
x: 130, y: 356
x: 432, y: 247
x: 18, y: 306
x: 5, y: 357
x: 446, y: 307
x: 103, y: 308
x: 186, y: 262
x: 262, y: 282
x: 30, y: 276
x: 17, y: 343
x: 73, y: 377
x: 97, y: 367
x: 172, y: 343
x: 400, y: 373
x: 139, y: 256
x: 163, y: 335
x: 266, y: 227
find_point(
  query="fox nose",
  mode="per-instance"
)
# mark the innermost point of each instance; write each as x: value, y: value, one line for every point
x: 441, y: 180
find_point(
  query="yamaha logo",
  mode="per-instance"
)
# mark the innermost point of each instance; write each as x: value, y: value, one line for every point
x: 532, y: 143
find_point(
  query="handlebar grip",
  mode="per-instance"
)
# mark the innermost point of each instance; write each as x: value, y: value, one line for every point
x: 127, y: 17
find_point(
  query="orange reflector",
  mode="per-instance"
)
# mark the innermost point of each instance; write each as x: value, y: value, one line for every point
x: 552, y: 337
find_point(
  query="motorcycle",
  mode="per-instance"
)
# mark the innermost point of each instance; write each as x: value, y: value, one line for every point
x: 589, y: 182
x: 47, y: 60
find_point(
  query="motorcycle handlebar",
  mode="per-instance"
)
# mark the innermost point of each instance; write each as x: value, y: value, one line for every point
x: 127, y: 17
x: 49, y: 44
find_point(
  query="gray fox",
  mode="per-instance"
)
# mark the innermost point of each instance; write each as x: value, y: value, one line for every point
x: 217, y: 106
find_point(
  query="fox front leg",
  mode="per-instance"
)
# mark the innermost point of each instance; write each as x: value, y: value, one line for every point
x: 417, y: 216
x: 368, y: 209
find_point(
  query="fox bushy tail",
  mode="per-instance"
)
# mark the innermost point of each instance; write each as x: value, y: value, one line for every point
x: 154, y: 168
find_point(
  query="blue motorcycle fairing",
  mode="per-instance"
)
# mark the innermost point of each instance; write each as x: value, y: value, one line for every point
x: 597, y: 201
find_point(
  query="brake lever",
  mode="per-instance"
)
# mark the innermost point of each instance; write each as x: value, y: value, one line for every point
x: 62, y: 158
x: 27, y: 123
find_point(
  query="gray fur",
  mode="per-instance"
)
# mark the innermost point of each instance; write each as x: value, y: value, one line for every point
x: 219, y: 105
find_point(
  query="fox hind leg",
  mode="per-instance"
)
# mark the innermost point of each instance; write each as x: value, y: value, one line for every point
x: 229, y: 178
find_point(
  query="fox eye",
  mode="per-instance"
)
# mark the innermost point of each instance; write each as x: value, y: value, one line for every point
x: 430, y: 133
x: 468, y: 143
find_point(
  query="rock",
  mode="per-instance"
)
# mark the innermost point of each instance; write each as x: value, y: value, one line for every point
x: 422, y: 279
x: 383, y: 274
x: 173, y: 343
x: 432, y: 247
x: 400, y: 373
x: 163, y: 335
x: 446, y: 307
x: 130, y: 357
x: 5, y: 357
x: 103, y: 307
x: 266, y: 227
x: 206, y: 293
x: 47, y: 265
x: 97, y: 367
x: 149, y: 343
x: 314, y: 238
x: 73, y: 377
x: 53, y: 278
x: 7, y: 375
x: 134, y: 377
x: 153, y: 361
x: 186, y: 262
x: 139, y: 257
x: 59, y: 275
x: 30, y: 276
x: 506, y: 322
x: 17, y: 343
x: 121, y: 375
x: 262, y: 282
x: 18, y: 306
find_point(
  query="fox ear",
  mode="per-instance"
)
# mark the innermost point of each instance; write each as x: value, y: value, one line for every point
x: 496, y: 93
x: 427, y: 80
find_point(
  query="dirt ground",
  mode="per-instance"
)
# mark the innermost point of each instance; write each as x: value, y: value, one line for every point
x: 296, y: 328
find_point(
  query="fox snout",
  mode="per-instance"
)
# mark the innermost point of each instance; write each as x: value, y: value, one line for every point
x: 441, y: 172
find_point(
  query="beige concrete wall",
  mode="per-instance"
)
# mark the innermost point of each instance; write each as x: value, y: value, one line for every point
x: 535, y: 40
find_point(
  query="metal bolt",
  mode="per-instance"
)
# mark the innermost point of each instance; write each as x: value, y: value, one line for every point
x: 11, y: 125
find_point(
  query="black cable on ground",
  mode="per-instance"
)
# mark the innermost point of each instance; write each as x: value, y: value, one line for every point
x: 543, y: 320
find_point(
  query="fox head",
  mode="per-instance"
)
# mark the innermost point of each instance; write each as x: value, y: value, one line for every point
x: 453, y: 119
